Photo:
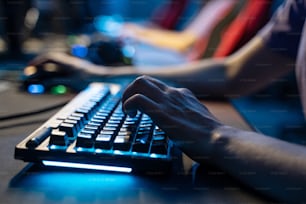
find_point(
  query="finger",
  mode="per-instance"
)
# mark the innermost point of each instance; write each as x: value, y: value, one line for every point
x: 50, y: 57
x: 145, y: 87
x: 141, y: 103
x: 158, y: 83
x: 38, y: 60
x: 44, y: 58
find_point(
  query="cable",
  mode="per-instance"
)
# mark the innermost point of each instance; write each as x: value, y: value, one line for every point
x: 25, y: 114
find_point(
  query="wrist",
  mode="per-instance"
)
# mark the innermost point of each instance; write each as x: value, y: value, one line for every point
x: 203, y: 149
x: 220, y: 139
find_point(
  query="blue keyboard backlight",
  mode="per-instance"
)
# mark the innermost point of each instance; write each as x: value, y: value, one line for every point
x: 87, y: 166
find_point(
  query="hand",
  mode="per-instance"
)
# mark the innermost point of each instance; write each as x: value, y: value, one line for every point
x: 78, y: 68
x: 175, y: 110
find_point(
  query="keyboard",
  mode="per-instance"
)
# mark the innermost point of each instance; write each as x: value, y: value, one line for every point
x: 92, y: 132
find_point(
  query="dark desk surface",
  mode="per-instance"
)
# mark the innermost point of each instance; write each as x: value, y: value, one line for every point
x: 24, y: 183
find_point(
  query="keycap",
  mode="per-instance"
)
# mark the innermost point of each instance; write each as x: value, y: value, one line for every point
x: 122, y: 142
x: 110, y: 128
x: 58, y: 138
x: 101, y: 122
x: 84, y: 140
x: 84, y: 112
x: 100, y: 117
x: 74, y: 123
x: 68, y: 128
x: 143, y: 139
x: 141, y: 143
x: 93, y: 128
x: 159, y: 147
x: 103, y: 141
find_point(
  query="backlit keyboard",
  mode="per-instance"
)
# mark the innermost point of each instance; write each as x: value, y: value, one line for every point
x: 92, y: 132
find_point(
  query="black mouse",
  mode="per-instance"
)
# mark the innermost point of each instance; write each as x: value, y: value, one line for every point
x: 51, y: 78
x: 109, y: 53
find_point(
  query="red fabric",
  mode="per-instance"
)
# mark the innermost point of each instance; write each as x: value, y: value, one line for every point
x: 168, y: 15
x: 244, y: 27
x: 200, y: 46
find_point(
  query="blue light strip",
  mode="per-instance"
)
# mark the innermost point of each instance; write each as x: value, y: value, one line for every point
x: 87, y: 166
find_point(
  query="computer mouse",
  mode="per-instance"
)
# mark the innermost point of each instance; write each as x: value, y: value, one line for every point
x: 110, y: 53
x: 51, y: 78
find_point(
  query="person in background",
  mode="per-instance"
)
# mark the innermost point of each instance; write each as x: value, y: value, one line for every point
x: 218, y: 24
x: 219, y: 29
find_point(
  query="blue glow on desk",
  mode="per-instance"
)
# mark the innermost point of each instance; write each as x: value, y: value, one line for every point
x: 87, y: 166
x: 84, y: 186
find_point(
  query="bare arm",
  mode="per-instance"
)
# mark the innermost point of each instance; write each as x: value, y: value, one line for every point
x: 268, y: 165
x: 180, y: 41
x: 250, y: 68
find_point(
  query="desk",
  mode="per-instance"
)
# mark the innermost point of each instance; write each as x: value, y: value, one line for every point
x: 24, y: 183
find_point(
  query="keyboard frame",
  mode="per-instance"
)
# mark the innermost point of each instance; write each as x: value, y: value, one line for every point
x: 139, y: 162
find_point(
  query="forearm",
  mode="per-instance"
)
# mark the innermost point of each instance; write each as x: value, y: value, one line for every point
x: 249, y: 69
x: 204, y: 78
x: 256, y: 65
x: 169, y: 39
x: 271, y: 166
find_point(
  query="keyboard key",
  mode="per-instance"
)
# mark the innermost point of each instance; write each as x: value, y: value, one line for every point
x: 94, y: 124
x: 142, y: 143
x: 114, y: 122
x: 74, y: 123
x: 88, y: 132
x: 97, y: 121
x: 122, y: 142
x: 68, y: 128
x: 99, y: 117
x: 95, y: 129
x: 159, y: 147
x: 117, y: 118
x: 103, y: 141
x: 110, y: 128
x: 58, y: 137
x: 115, y: 125
x: 103, y: 114
x: 124, y: 131
x: 85, y: 112
x: 143, y: 138
x: 78, y: 115
x: 141, y: 147
x: 78, y: 119
x: 107, y: 132
x: 84, y: 140
x: 55, y: 124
